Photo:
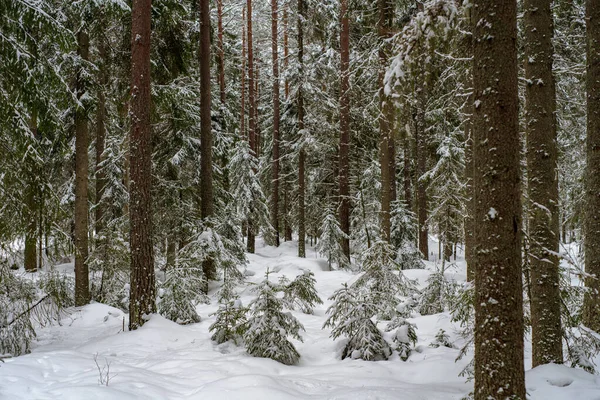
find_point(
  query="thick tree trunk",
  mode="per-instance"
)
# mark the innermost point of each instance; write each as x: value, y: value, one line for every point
x: 275, y: 166
x: 301, y: 153
x: 386, y: 143
x: 470, y: 198
x: 142, y: 288
x: 344, y: 152
x: 542, y: 158
x: 591, y: 304
x: 206, y: 181
x: 499, y: 370
x: 82, y: 276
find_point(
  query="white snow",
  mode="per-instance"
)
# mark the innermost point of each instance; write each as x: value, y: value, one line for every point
x: 163, y: 360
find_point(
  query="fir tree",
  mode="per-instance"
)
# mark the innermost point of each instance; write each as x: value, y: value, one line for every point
x: 381, y: 282
x: 301, y: 293
x: 269, y: 326
x: 351, y: 315
x: 404, y: 338
x: 441, y: 339
x: 330, y: 240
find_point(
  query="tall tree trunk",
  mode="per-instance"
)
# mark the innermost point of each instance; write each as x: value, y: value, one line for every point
x: 243, y: 79
x: 142, y: 288
x: 82, y: 278
x: 421, y: 149
x: 221, y: 52
x: 470, y: 198
x: 499, y: 370
x: 250, y: 244
x: 275, y: 167
x: 286, y: 204
x: 344, y: 151
x: 206, y: 181
x: 542, y: 158
x: 386, y: 146
x: 591, y: 304
x: 301, y: 153
x: 30, y: 208
x: 407, y: 171
x: 101, y: 134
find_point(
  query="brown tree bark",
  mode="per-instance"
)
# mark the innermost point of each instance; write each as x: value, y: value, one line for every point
x: 421, y: 150
x: 386, y: 141
x: 206, y: 181
x: 344, y: 151
x: 407, y: 172
x: 275, y: 166
x: 30, y: 208
x: 301, y: 153
x: 542, y: 158
x: 243, y: 78
x: 142, y: 287
x: 499, y: 370
x: 250, y: 242
x: 82, y: 278
x: 101, y: 134
x: 221, y: 52
x: 591, y: 303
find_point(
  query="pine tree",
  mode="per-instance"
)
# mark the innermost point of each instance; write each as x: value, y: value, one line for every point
x: 350, y: 315
x: 330, y: 241
x: 542, y: 184
x: 269, y: 326
x: 404, y: 338
x: 498, y: 284
x: 344, y: 149
x: 301, y: 293
x: 592, y: 183
x: 142, y: 298
x: 206, y: 148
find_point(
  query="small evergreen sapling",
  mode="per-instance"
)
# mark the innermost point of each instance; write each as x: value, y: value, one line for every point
x: 441, y: 339
x: 301, y: 293
x: 269, y: 327
x: 231, y: 323
x: 330, y: 241
x: 351, y: 316
x: 381, y: 281
x: 403, y: 237
x: 404, y: 338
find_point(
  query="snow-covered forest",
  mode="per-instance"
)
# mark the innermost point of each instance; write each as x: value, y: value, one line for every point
x: 294, y: 199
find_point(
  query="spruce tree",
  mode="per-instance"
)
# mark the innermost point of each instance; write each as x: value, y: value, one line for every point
x: 499, y: 367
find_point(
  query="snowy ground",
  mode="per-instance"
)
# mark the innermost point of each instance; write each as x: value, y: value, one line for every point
x: 163, y: 360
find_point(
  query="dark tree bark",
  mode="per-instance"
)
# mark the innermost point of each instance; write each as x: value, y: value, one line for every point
x: 142, y: 288
x: 250, y: 243
x: 499, y: 371
x: 82, y: 278
x: 386, y: 146
x: 221, y: 54
x: 591, y: 304
x: 470, y: 198
x: 344, y: 151
x: 30, y: 209
x: 275, y: 166
x: 243, y: 78
x: 301, y: 153
x: 407, y: 172
x: 206, y: 181
x: 286, y: 183
x: 101, y: 135
x: 421, y: 150
x: 542, y: 158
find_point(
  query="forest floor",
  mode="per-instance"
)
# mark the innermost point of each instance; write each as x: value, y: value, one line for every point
x: 163, y: 360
